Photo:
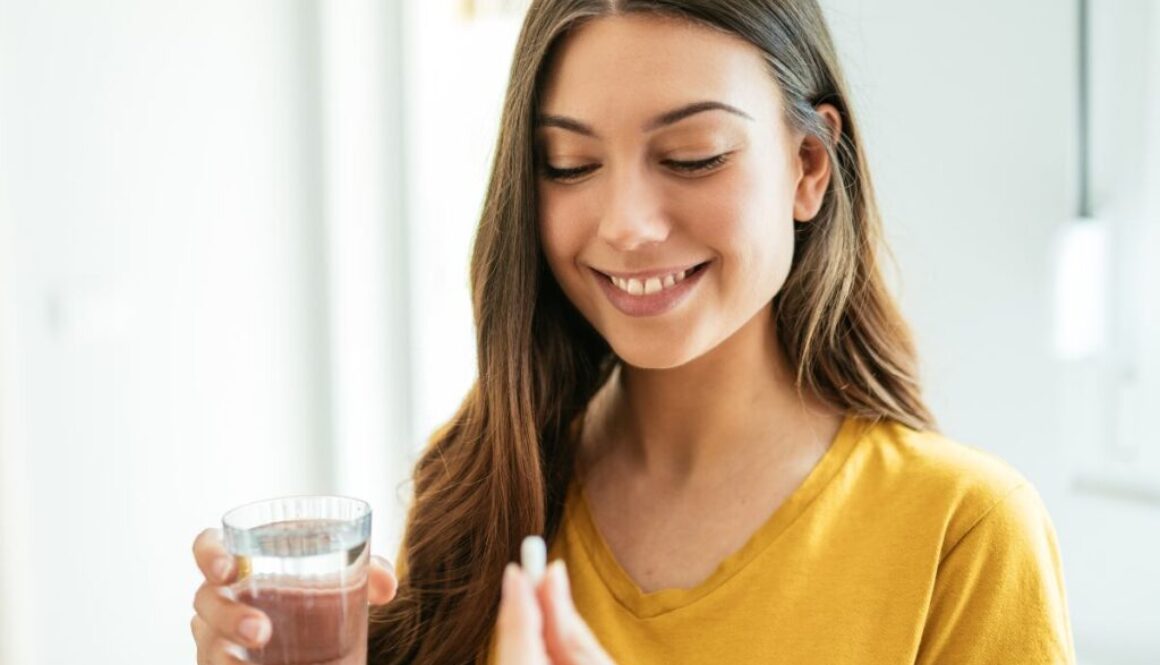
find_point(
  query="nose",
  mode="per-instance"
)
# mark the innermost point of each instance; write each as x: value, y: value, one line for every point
x: 633, y: 216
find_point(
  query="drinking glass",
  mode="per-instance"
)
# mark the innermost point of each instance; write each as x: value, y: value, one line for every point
x: 303, y: 561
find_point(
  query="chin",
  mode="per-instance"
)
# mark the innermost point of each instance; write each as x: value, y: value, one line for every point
x: 644, y: 355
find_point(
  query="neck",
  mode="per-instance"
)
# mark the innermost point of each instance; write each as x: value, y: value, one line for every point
x: 731, y: 406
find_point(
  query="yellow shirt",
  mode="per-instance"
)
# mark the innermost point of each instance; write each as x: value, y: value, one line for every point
x: 899, y: 547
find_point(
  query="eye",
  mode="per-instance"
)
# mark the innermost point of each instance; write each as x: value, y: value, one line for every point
x: 687, y: 167
x: 568, y: 174
x: 699, y: 165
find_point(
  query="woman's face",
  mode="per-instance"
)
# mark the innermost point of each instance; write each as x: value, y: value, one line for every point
x: 668, y: 184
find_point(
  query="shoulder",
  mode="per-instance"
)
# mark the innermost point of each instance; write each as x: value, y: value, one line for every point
x: 980, y: 526
x: 959, y: 484
x: 928, y: 461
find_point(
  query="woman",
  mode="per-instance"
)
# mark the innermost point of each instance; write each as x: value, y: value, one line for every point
x: 694, y: 383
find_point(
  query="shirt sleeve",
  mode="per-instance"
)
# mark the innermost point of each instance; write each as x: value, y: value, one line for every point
x: 999, y: 595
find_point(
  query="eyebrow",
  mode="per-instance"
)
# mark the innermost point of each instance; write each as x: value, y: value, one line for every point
x: 663, y: 120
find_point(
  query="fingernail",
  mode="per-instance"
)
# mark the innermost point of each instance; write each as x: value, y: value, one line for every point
x: 253, y: 629
x: 222, y: 568
x: 382, y: 561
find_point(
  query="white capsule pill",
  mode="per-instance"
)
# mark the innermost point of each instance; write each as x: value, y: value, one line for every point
x: 533, y: 558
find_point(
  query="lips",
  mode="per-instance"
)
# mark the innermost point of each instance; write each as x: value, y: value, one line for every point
x: 650, y: 293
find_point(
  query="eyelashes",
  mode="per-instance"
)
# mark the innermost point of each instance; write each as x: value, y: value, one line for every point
x: 698, y: 165
x: 683, y: 167
x: 564, y: 175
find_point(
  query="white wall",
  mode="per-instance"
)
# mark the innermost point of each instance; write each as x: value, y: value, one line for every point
x: 369, y: 350
x: 14, y: 484
x: 1110, y: 519
x: 453, y: 106
x: 161, y: 286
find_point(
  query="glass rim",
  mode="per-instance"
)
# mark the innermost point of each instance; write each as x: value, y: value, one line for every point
x: 234, y: 519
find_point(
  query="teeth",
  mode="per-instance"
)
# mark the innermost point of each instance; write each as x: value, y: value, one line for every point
x: 650, y: 286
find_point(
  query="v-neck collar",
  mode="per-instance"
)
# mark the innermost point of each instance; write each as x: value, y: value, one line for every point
x: 648, y: 605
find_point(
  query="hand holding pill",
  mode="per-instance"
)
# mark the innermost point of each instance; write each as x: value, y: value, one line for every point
x: 538, y: 623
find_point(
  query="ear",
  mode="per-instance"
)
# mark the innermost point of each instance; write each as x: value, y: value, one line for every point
x: 814, y: 167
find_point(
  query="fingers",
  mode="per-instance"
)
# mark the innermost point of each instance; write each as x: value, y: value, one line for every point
x: 381, y: 581
x: 211, y: 649
x: 518, y: 629
x: 230, y: 619
x: 221, y: 623
x: 218, y: 619
x: 211, y: 557
x: 203, y: 637
x: 568, y: 639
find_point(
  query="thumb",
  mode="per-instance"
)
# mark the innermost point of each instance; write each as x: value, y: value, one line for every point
x: 381, y: 581
x: 569, y: 640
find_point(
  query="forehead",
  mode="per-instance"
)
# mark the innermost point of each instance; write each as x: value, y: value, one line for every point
x: 633, y: 66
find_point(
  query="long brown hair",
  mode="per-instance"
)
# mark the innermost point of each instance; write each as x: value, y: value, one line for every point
x: 499, y: 469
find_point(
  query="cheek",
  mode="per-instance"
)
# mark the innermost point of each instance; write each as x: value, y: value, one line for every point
x: 562, y: 238
x: 748, y: 217
x: 748, y: 220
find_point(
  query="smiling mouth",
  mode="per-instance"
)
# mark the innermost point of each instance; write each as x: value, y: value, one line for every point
x: 656, y: 284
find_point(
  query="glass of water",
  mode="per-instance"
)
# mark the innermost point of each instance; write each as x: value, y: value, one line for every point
x: 303, y: 561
